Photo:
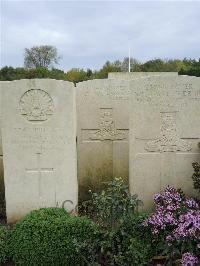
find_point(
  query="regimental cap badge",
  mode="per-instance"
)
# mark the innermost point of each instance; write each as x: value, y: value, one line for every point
x: 36, y: 105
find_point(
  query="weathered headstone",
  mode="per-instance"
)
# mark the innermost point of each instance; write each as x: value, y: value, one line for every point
x: 102, y: 133
x: 39, y: 145
x: 164, y: 134
x: 136, y: 75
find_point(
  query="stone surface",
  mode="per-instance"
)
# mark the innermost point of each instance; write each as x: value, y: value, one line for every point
x: 136, y: 75
x: 102, y: 132
x: 164, y: 133
x: 39, y: 145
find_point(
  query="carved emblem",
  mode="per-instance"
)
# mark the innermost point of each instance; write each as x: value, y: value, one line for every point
x: 169, y: 140
x: 107, y: 127
x: 36, y: 105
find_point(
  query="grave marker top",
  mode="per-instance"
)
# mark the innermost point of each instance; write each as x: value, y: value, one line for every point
x: 136, y: 75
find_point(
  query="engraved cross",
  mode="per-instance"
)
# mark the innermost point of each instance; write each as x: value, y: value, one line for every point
x: 39, y: 170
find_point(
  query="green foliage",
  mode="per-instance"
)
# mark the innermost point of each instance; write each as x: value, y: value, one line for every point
x: 10, y: 73
x: 135, y: 66
x: 76, y: 75
x: 184, y: 67
x: 113, y: 204
x: 117, y: 66
x: 135, y: 241
x: 92, y: 184
x: 159, y: 65
x: 192, y: 68
x: 55, y: 73
x: 156, y: 65
x: 107, y: 67
x: 3, y: 244
x: 52, y: 237
x: 123, y: 239
x: 129, y: 244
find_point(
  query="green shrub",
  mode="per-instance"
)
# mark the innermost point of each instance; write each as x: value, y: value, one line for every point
x: 123, y: 240
x: 3, y: 244
x: 134, y: 242
x: 112, y: 205
x: 130, y: 244
x: 52, y: 237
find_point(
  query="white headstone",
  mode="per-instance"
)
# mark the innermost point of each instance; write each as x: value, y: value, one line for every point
x: 102, y: 133
x: 164, y: 134
x: 39, y: 145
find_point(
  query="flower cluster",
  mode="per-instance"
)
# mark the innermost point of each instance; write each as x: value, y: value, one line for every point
x: 168, y: 206
x: 177, y: 218
x: 188, y: 259
x: 189, y: 225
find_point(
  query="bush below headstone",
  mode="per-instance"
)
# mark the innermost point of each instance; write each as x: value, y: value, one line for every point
x: 52, y: 237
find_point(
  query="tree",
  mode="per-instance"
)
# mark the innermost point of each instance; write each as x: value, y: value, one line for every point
x: 164, y: 65
x: 155, y: 65
x: 193, y: 68
x: 41, y: 56
x: 76, y: 75
x: 10, y: 73
x: 134, y: 65
x: 107, y: 67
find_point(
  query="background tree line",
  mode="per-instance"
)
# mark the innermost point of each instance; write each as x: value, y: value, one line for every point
x: 39, y: 63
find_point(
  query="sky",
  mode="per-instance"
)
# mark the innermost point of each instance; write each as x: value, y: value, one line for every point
x: 88, y: 33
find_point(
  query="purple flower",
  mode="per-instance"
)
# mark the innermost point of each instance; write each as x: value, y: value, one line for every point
x: 191, y: 203
x: 188, y: 225
x: 169, y: 219
x: 157, y: 198
x: 188, y: 259
x: 177, y: 218
x: 169, y: 238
